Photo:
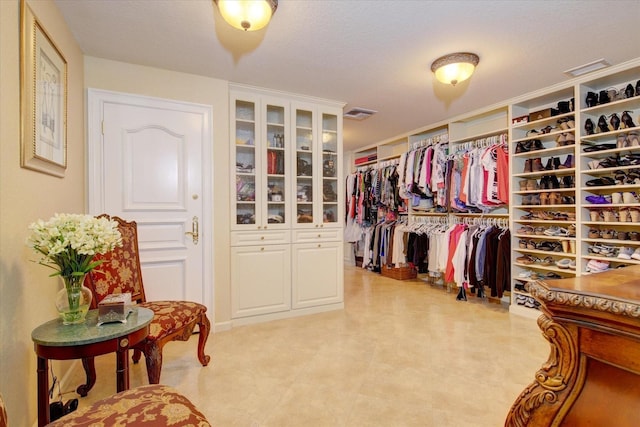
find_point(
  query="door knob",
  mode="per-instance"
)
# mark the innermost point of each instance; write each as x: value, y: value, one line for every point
x: 194, y: 233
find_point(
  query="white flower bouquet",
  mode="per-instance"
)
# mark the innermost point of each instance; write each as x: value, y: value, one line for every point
x: 68, y: 242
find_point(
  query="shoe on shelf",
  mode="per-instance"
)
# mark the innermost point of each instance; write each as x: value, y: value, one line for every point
x: 625, y: 252
x: 539, y: 231
x: 596, y: 266
x: 616, y: 198
x: 609, y: 216
x: 624, y: 215
x: 627, y: 121
x: 536, y: 165
x: 526, y: 274
x: 547, y: 261
x: 600, y: 182
x: 629, y: 197
x: 636, y: 254
x: 563, y: 263
x: 599, y: 199
x: 622, y: 235
x: 526, y: 229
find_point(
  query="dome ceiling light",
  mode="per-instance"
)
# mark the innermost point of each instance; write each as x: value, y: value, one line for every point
x: 247, y: 15
x: 455, y: 67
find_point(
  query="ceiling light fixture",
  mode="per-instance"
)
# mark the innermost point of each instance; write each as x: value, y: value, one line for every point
x: 455, y: 67
x: 247, y: 15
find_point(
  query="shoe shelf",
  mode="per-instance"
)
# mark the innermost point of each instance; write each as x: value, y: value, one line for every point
x: 543, y: 150
x: 611, y: 135
x: 608, y: 189
x: 546, y: 253
x: 550, y: 268
x: 523, y: 128
x: 612, y: 259
x: 607, y: 171
x: 617, y: 107
x: 612, y: 242
x: 544, y: 191
x: 544, y: 237
x: 538, y: 174
x: 546, y: 152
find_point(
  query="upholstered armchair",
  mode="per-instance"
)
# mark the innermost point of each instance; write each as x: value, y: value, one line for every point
x: 173, y: 320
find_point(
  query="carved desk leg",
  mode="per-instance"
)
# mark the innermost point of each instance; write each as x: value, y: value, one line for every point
x: 541, y: 401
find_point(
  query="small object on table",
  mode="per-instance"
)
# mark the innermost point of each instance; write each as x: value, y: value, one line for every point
x: 114, y: 308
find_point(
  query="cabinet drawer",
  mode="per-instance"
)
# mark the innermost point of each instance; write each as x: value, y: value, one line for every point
x: 272, y: 237
x: 317, y: 235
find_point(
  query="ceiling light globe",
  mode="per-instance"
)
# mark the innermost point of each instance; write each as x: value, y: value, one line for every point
x: 455, y: 68
x: 247, y: 15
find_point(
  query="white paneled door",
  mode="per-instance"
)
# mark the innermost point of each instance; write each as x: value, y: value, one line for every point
x: 150, y: 161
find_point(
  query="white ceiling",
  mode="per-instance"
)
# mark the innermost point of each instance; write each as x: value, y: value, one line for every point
x: 368, y: 53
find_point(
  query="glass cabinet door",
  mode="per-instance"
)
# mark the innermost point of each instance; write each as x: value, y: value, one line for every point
x: 276, y: 165
x: 304, y: 166
x: 329, y: 168
x: 247, y: 159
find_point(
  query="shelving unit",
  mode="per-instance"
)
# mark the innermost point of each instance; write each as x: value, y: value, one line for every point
x: 286, y: 240
x: 543, y: 192
x: 610, y: 229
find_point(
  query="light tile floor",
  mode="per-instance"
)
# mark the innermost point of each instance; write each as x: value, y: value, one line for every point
x: 401, y: 353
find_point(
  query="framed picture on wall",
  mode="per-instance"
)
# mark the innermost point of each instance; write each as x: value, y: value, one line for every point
x: 43, y: 98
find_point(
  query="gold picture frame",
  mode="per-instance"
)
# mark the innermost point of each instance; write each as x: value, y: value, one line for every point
x: 43, y: 98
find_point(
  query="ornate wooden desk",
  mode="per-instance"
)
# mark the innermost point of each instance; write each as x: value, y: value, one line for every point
x: 53, y: 340
x: 592, y: 376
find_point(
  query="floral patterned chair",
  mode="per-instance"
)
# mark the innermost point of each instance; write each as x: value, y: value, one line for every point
x: 148, y: 405
x: 173, y: 320
x: 3, y: 414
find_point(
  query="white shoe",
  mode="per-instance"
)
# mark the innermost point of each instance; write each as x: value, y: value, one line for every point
x: 625, y: 253
x: 636, y: 254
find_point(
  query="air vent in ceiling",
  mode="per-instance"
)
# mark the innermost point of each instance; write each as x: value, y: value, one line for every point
x: 359, y: 113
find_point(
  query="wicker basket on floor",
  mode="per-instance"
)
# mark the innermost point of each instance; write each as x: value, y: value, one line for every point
x: 400, y: 273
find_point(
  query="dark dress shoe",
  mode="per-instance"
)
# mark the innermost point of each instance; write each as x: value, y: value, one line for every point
x: 628, y: 91
x: 588, y: 127
x: 614, y: 121
x: 602, y: 124
x: 627, y: 120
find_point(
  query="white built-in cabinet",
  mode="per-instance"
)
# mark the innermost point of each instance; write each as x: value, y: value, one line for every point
x: 286, y: 233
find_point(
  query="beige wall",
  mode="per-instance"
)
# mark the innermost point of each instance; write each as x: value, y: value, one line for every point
x: 129, y: 78
x: 26, y: 291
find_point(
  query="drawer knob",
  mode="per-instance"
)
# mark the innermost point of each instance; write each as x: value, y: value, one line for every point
x: 319, y: 235
x: 261, y: 237
x: 262, y: 249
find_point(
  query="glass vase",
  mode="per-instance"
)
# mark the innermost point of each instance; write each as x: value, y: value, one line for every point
x: 73, y: 300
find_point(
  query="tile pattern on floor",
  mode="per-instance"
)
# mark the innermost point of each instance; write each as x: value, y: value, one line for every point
x: 401, y: 353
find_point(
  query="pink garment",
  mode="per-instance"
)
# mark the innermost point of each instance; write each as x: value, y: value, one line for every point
x: 503, y: 174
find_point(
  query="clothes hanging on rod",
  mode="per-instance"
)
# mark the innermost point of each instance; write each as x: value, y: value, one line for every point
x: 368, y: 190
x: 477, y: 176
